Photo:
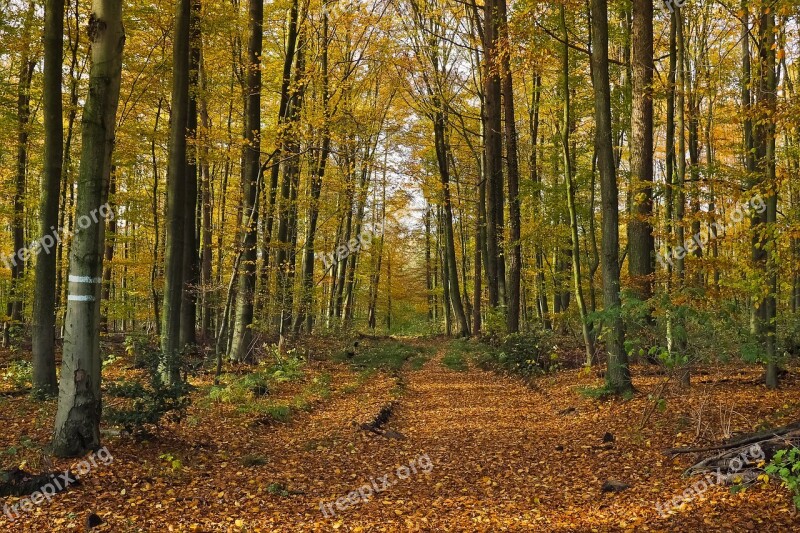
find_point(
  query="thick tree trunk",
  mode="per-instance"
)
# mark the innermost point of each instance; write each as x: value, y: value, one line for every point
x: 764, y: 142
x: 77, y: 423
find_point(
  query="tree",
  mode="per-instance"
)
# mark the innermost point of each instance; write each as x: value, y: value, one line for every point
x: 176, y: 192
x: 26, y: 66
x: 641, y: 244
x: 512, y: 164
x: 243, y: 333
x: 586, y: 325
x: 77, y: 423
x: 44, y: 303
x: 618, y: 378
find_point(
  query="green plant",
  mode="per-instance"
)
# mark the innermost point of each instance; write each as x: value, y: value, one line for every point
x: 388, y: 356
x: 279, y: 412
x: 277, y: 489
x: 149, y: 401
x: 140, y: 350
x: 603, y: 392
x: 454, y: 360
x: 172, y: 461
x: 785, y: 464
x: 19, y: 374
x: 526, y: 354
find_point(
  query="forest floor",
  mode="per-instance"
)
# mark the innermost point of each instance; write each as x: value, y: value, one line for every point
x: 482, y: 452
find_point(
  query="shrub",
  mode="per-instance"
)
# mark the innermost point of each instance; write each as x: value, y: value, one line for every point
x: 19, y: 374
x: 785, y: 464
x: 151, y: 401
x: 524, y: 354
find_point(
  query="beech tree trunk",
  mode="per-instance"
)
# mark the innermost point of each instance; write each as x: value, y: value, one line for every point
x: 77, y: 423
x: 243, y: 333
x: 44, y: 303
x: 618, y: 376
x: 176, y: 192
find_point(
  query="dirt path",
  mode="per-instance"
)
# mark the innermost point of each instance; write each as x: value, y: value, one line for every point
x: 481, y: 452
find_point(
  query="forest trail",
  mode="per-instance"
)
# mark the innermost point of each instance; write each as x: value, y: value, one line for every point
x: 486, y: 453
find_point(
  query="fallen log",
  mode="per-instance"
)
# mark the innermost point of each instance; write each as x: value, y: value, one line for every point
x: 788, y: 430
x: 376, y: 426
x: 17, y: 482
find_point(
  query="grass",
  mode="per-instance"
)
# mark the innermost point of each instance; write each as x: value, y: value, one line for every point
x: 602, y: 392
x: 454, y: 360
x: 389, y: 356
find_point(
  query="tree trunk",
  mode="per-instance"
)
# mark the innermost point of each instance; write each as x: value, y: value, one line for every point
x: 21, y: 252
x: 586, y: 325
x: 188, y: 332
x: 176, y: 191
x: 77, y: 423
x: 512, y: 163
x: 243, y: 333
x: 493, y: 147
x: 44, y: 303
x: 618, y: 376
x: 641, y: 244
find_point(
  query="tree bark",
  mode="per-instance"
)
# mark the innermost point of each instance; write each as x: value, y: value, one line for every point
x: 176, y: 191
x: 586, y: 325
x: 77, y: 423
x: 641, y: 244
x: 618, y: 378
x: 243, y: 333
x: 44, y: 303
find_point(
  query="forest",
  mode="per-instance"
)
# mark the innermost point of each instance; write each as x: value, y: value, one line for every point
x: 400, y: 265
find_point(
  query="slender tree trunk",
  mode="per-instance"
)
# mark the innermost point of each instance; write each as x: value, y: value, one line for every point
x: 109, y: 253
x: 207, y: 252
x: 77, y: 423
x: 641, y: 244
x: 512, y: 163
x: 450, y: 264
x: 243, y: 333
x: 176, y: 192
x: 21, y: 252
x: 586, y: 325
x: 618, y: 376
x: 493, y: 147
x: 156, y: 229
x: 289, y: 59
x: 188, y: 332
x: 44, y: 304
